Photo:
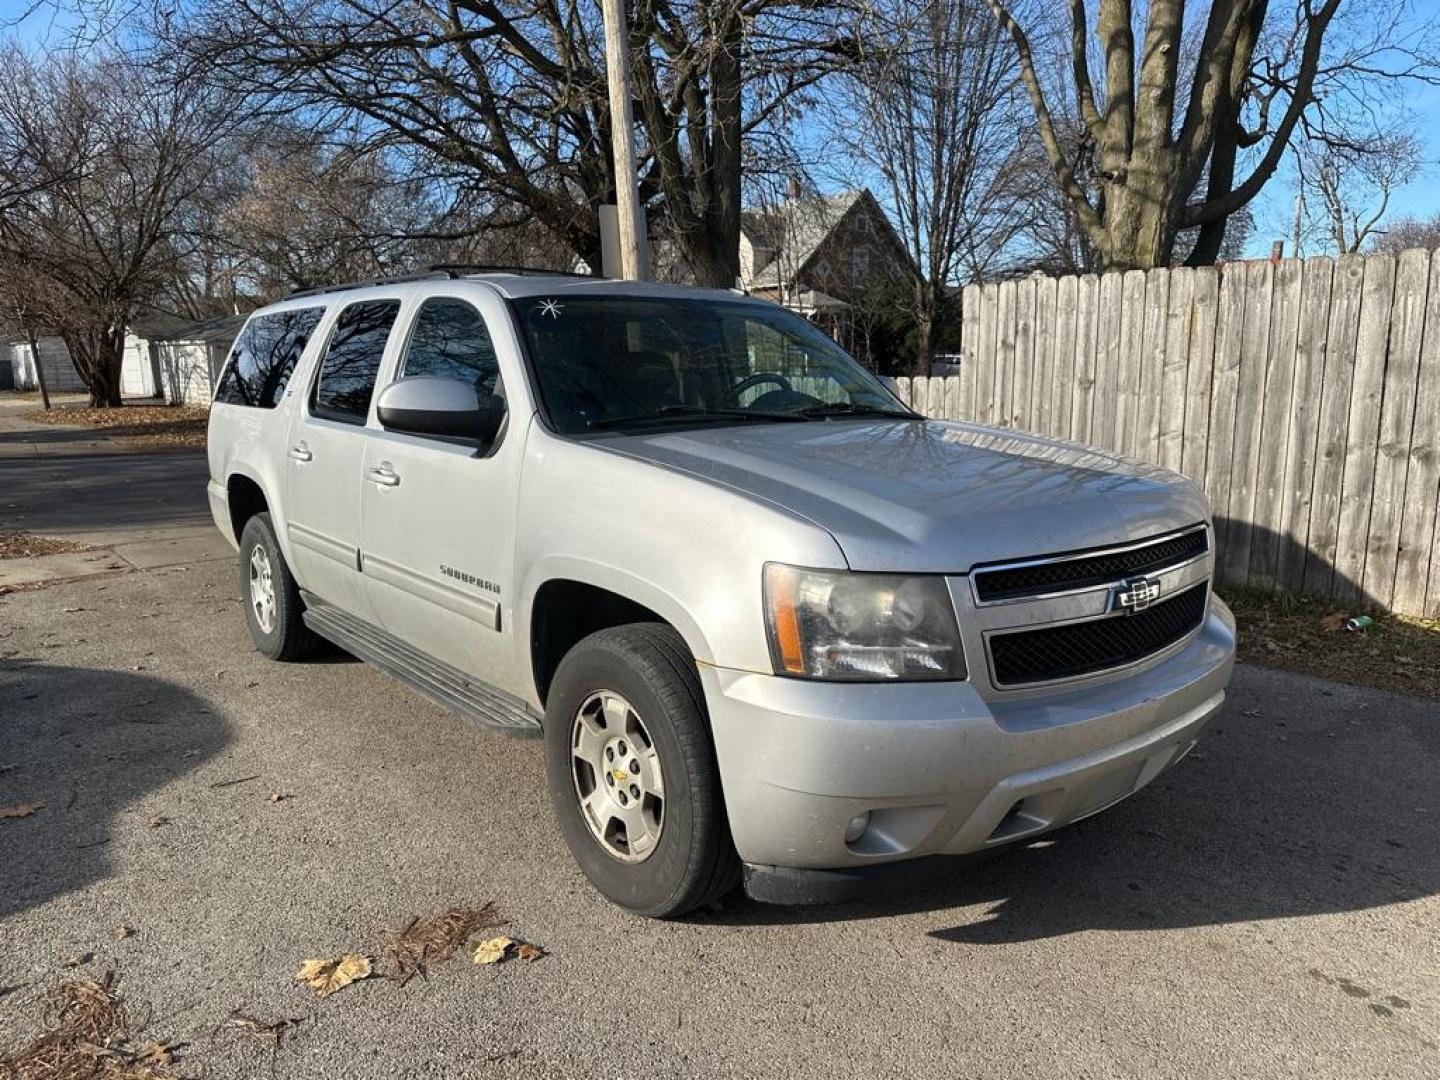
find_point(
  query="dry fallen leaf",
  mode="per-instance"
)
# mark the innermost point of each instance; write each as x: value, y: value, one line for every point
x: 280, y: 797
x: 1333, y: 621
x: 23, y: 810
x: 79, y: 961
x: 122, y: 931
x: 155, y: 1055
x: 327, y: 976
x: 491, y: 950
x: 526, y: 951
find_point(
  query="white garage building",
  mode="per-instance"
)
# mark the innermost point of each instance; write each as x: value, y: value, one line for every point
x: 174, y: 359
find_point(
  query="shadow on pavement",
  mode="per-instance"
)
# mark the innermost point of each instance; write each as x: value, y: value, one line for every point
x: 1302, y: 799
x: 88, y: 744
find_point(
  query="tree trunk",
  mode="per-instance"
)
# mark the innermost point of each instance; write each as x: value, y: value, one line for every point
x: 39, y: 367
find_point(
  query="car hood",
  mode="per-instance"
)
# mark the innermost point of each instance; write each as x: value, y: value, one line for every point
x: 933, y: 496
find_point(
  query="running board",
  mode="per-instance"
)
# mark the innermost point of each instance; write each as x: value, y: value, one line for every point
x: 444, y: 685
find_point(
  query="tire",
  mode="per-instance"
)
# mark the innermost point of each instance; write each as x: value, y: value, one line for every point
x: 692, y: 861
x: 288, y: 638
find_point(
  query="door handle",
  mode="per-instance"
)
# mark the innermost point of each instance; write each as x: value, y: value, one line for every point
x: 384, y: 475
x: 301, y: 452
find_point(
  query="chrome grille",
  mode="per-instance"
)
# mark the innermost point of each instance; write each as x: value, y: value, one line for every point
x: 1083, y: 648
x: 1083, y: 570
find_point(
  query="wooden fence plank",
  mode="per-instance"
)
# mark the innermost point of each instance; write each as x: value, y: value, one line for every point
x: 1023, y: 371
x: 1249, y: 398
x: 902, y: 387
x: 1275, y: 408
x: 985, y: 373
x: 1152, y: 365
x: 1310, y: 340
x: 1420, y: 551
x: 1087, y: 315
x: 937, y: 398
x: 1362, y: 443
x: 1199, y: 380
x: 1108, y: 331
x: 1169, y: 405
x: 1004, y: 356
x: 1132, y: 346
x: 1219, y: 461
x: 1397, y: 417
x: 1042, y: 391
x: 969, y: 349
x: 1066, y: 295
x: 920, y: 394
x: 1332, y: 428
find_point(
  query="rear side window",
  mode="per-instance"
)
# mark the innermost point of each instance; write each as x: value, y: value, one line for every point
x: 264, y: 357
x: 352, y: 361
x: 450, y: 341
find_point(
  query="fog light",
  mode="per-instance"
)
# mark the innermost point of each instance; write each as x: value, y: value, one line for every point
x: 856, y: 829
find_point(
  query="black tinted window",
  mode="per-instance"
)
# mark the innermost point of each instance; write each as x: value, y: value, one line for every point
x: 450, y: 341
x: 264, y: 357
x: 352, y: 360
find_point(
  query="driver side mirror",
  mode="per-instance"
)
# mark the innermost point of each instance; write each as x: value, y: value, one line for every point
x: 443, y: 408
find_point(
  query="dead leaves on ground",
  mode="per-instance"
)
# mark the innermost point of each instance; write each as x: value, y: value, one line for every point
x: 420, y: 945
x: 497, y: 950
x: 273, y: 1032
x: 434, y: 939
x: 23, y: 545
x: 88, y: 1037
x: 327, y: 976
x: 24, y: 810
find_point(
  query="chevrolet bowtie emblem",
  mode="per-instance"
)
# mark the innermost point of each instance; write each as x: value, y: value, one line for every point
x: 620, y: 775
x: 1135, y: 594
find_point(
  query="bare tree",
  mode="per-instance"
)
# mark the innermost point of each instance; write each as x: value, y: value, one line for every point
x: 934, y: 110
x: 107, y: 154
x: 1407, y: 232
x: 1348, y: 186
x: 511, y: 97
x: 1167, y: 139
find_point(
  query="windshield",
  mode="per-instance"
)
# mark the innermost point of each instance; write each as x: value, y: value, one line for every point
x: 635, y: 363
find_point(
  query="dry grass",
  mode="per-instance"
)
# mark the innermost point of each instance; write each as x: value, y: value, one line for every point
x: 149, y: 427
x: 1398, y: 653
x: 21, y: 545
x: 87, y: 1040
x: 435, y: 939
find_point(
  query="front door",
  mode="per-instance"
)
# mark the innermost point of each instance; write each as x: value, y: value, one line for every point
x: 326, y: 456
x: 439, y: 518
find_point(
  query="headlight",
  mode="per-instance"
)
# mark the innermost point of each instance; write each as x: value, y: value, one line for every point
x: 826, y: 624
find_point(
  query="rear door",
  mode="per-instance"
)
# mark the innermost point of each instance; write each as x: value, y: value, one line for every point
x: 439, y: 518
x: 326, y: 455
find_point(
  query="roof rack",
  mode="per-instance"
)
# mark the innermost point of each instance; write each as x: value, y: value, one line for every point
x: 461, y: 269
x: 448, y: 271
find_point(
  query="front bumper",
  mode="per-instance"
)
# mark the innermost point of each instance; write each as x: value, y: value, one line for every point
x: 944, y: 768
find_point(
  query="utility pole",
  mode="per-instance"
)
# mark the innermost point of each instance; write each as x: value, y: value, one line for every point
x: 622, y: 136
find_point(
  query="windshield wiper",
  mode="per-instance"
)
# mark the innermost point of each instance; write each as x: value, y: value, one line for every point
x: 849, y: 408
x: 687, y: 413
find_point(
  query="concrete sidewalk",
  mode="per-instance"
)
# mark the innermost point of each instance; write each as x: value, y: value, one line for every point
x: 21, y: 438
x: 137, y: 510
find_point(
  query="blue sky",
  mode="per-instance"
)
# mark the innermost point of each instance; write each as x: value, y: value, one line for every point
x: 1272, y: 209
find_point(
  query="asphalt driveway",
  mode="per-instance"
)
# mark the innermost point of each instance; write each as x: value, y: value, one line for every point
x: 1267, y: 909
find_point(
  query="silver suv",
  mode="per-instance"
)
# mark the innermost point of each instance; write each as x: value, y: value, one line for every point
x: 770, y: 623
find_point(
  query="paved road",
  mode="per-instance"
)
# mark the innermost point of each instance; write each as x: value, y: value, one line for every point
x: 1268, y: 909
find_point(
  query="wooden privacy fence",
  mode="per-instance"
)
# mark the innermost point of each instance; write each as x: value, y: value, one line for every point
x: 1304, y: 395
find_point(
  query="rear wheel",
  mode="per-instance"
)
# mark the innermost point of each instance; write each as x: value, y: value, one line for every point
x: 632, y: 773
x: 273, y: 608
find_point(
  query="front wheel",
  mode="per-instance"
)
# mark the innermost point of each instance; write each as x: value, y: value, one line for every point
x: 273, y: 608
x: 632, y: 773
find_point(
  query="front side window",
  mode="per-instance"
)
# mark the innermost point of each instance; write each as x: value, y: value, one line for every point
x: 352, y: 358
x: 450, y: 341
x: 264, y: 357
x: 621, y: 363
